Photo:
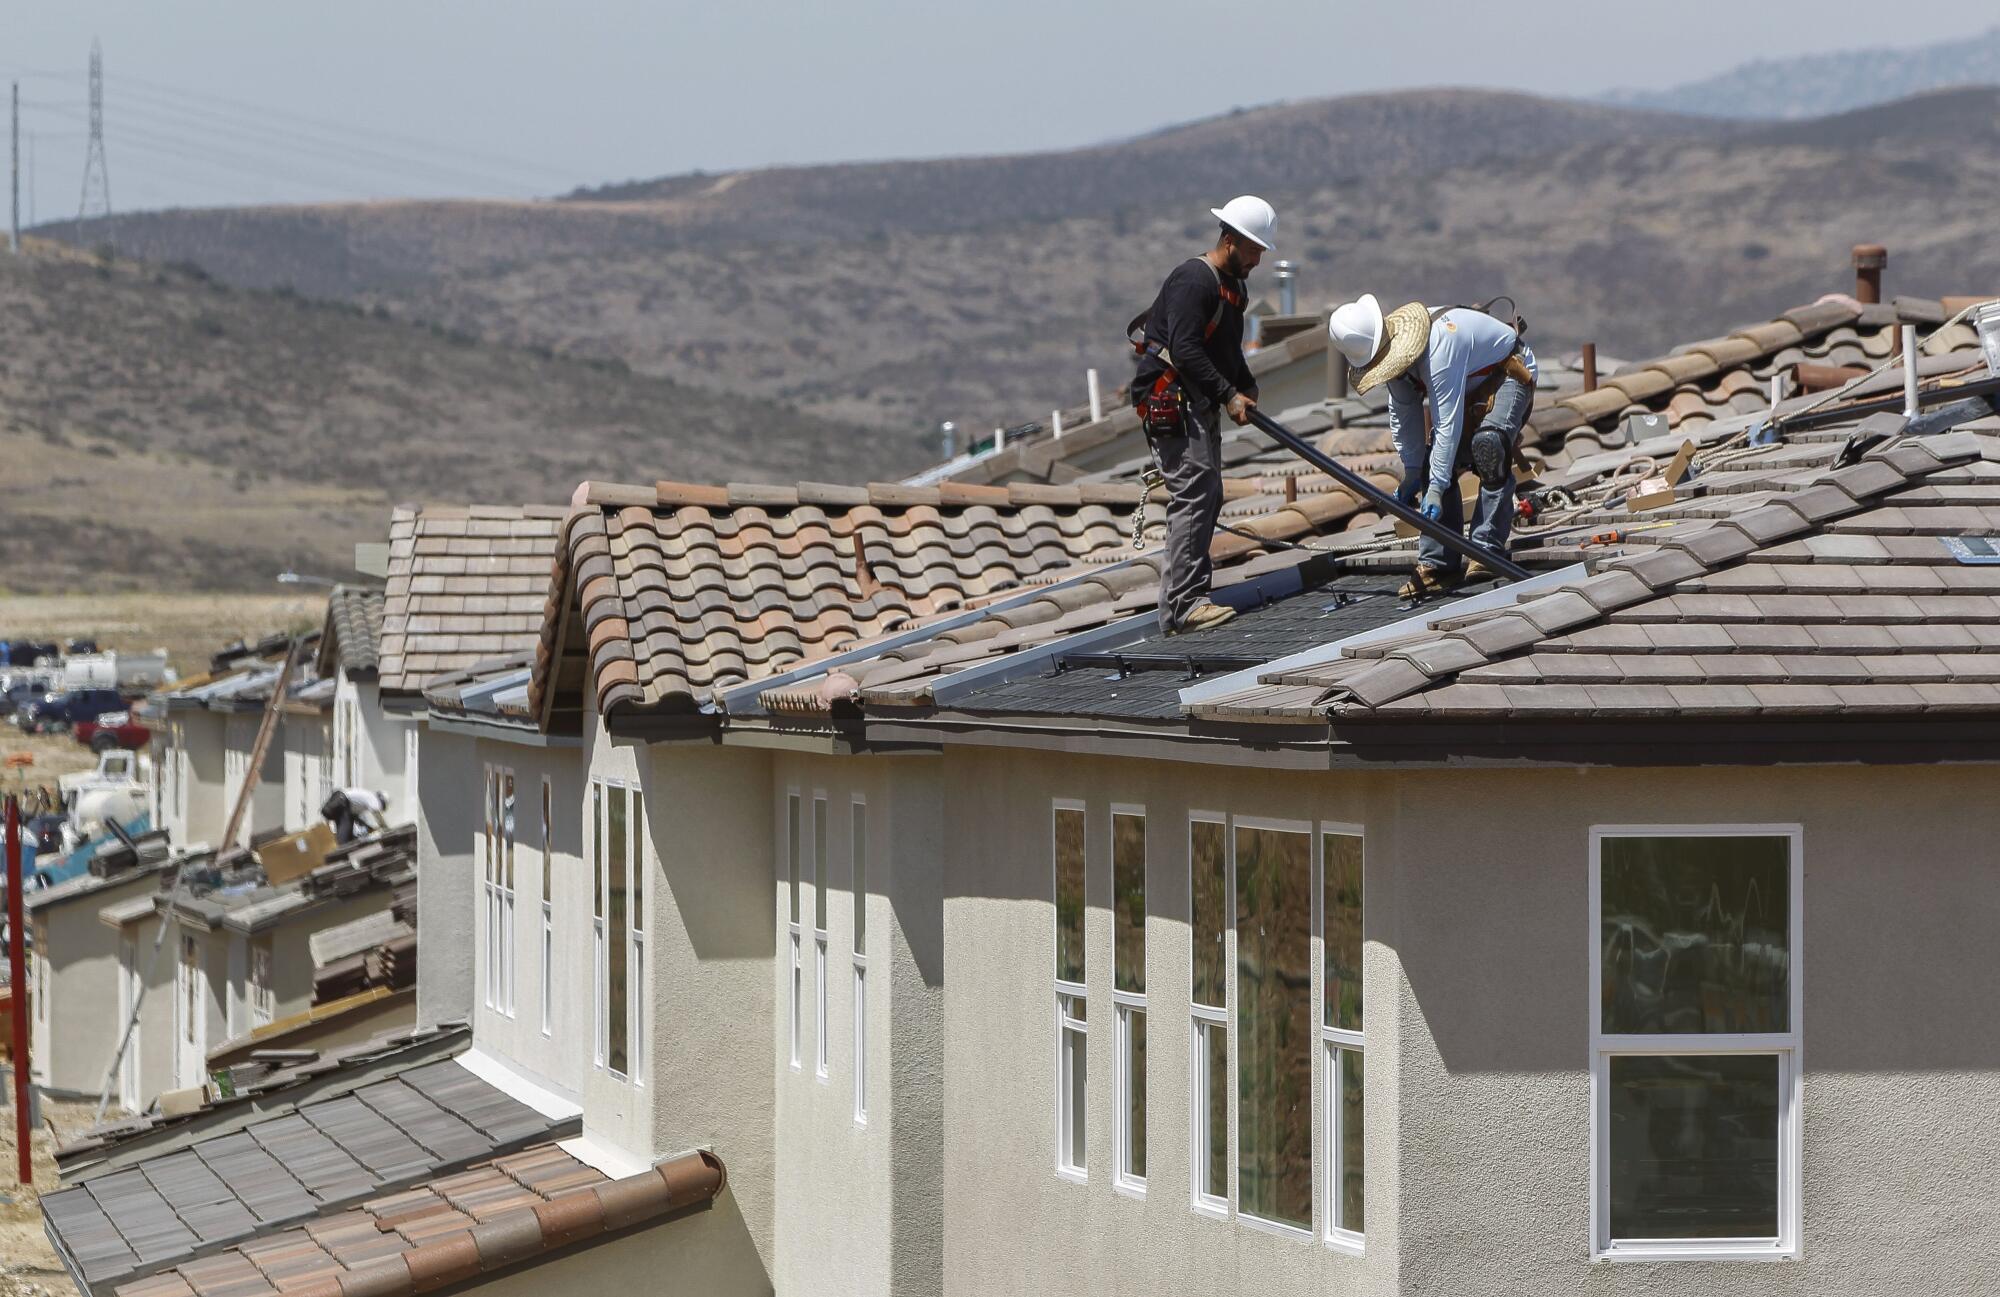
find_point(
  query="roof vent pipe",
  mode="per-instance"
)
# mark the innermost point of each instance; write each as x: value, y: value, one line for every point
x: 1590, y: 367
x: 1869, y: 258
x: 950, y: 434
x: 1288, y: 287
x: 1910, y: 403
x: 1096, y: 401
x: 1055, y: 423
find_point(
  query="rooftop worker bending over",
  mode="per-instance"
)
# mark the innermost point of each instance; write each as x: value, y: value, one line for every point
x: 350, y: 810
x: 1476, y: 372
x: 1191, y: 369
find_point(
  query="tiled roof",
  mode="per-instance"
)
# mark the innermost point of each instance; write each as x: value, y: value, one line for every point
x: 453, y: 1230
x: 682, y: 589
x: 126, y: 1224
x: 351, y: 640
x: 1813, y: 590
x: 466, y: 584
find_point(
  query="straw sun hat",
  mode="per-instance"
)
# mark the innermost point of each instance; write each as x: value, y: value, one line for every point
x: 1378, y: 347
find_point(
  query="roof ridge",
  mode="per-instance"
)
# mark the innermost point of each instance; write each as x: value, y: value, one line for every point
x: 1632, y: 579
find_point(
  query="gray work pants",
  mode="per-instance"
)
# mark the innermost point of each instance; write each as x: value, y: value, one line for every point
x: 1192, y: 463
x: 1493, y: 515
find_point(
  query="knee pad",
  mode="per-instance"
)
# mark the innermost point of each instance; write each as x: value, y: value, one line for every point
x: 1489, y: 457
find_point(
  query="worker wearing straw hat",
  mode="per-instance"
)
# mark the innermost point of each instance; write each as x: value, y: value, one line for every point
x: 1473, y: 370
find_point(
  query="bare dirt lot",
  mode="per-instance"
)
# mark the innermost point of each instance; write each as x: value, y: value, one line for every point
x: 189, y: 626
x: 28, y: 1267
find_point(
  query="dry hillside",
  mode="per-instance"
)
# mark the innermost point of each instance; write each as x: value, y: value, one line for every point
x: 164, y: 431
x: 898, y: 294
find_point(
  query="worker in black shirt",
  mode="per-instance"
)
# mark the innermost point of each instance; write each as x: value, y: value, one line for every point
x: 1191, y: 370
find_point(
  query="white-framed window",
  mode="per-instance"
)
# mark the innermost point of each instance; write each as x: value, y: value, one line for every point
x: 1342, y: 1073
x: 353, y: 747
x: 1695, y: 1041
x: 263, y: 984
x: 1271, y: 868
x: 1128, y: 997
x: 325, y: 763
x: 497, y: 863
x: 858, y: 856
x: 819, y: 883
x: 620, y: 856
x: 548, y: 909
x: 410, y: 742
x: 1072, y: 1000
x: 795, y: 996
x: 1208, y: 1038
x: 599, y: 1035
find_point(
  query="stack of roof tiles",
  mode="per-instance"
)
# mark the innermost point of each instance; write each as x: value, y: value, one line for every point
x: 466, y: 585
x: 388, y: 858
x: 352, y: 640
x: 685, y: 589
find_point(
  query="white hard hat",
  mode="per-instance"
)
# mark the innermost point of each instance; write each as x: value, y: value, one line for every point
x: 1356, y: 329
x: 1250, y: 216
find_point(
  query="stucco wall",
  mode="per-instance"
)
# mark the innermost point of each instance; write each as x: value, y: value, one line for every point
x: 707, y: 1250
x: 267, y: 800
x: 1012, y: 1225
x: 860, y: 1203
x: 379, y: 740
x: 1477, y: 994
x: 73, y: 1042
x: 203, y: 792
x: 447, y: 822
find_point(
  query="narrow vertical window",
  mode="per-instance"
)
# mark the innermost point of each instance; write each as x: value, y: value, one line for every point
x: 618, y: 918
x: 1274, y: 1024
x: 792, y: 866
x: 263, y: 988
x: 597, y: 895
x: 1695, y: 1042
x: 489, y: 905
x: 504, y: 993
x: 1340, y: 1029
x: 636, y: 839
x: 1128, y: 992
x: 1072, y: 1019
x: 548, y: 909
x: 820, y: 879
x: 858, y: 853
x: 1208, y: 897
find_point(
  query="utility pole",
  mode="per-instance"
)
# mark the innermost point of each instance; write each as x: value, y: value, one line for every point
x: 14, y: 233
x: 96, y: 173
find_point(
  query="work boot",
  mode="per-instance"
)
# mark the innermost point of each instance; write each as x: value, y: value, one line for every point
x: 1203, y: 616
x: 1428, y: 580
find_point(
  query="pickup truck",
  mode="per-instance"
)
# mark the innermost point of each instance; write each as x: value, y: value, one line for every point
x: 111, y: 731
x: 57, y: 711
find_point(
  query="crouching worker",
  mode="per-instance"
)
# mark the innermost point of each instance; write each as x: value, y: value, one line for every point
x: 355, y: 813
x: 1191, y: 369
x: 1475, y: 371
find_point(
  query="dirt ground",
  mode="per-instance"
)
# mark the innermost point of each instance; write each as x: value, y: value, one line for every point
x: 28, y: 1267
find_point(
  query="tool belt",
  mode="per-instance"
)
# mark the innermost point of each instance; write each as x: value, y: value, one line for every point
x: 1485, y: 389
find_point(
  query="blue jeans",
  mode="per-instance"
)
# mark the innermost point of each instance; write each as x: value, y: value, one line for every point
x: 1493, y: 515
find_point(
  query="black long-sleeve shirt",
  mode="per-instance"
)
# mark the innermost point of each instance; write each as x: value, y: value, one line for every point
x: 1212, y: 369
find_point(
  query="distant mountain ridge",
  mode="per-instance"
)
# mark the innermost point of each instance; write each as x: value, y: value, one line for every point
x: 1816, y: 85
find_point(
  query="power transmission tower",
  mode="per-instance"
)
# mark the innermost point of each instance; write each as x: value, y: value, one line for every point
x: 96, y: 174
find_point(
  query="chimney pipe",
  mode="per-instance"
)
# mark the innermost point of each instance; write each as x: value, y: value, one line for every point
x: 1055, y: 423
x: 950, y: 432
x: 1096, y: 401
x: 1590, y: 367
x: 1288, y: 289
x: 1909, y: 340
x: 1869, y: 258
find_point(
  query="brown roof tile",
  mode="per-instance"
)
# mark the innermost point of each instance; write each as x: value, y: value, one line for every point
x: 442, y: 557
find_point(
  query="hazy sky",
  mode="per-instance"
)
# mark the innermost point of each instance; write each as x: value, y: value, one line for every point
x: 234, y: 101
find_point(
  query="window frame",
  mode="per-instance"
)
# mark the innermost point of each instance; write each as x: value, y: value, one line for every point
x: 1203, y: 1019
x: 1072, y: 1122
x: 1124, y: 1004
x: 1787, y: 1046
x: 1335, y: 1041
x: 792, y: 909
x: 857, y: 880
x: 599, y: 971
x: 1266, y: 824
x: 548, y: 909
x: 632, y: 937
x: 822, y: 819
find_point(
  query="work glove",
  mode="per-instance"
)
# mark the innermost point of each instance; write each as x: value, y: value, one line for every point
x: 1433, y: 504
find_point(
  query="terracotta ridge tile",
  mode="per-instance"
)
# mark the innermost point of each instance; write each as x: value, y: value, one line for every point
x: 613, y: 494
x: 673, y: 495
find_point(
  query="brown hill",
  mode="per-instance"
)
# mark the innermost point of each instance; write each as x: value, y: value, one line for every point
x: 898, y: 294
x: 161, y: 430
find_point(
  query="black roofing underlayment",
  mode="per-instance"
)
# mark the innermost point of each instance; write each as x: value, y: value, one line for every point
x: 430, y: 1119
x: 1159, y: 667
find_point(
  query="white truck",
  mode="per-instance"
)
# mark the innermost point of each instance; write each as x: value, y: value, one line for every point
x: 128, y: 672
x: 118, y: 789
